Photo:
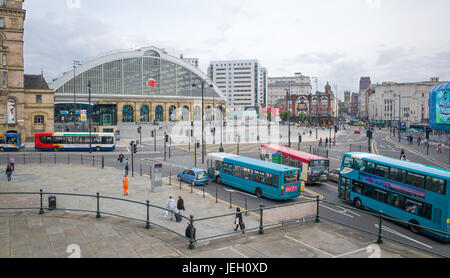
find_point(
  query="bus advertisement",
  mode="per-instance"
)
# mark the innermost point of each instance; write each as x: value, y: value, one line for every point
x: 262, y: 178
x: 414, y: 193
x: 74, y: 141
x: 314, y: 169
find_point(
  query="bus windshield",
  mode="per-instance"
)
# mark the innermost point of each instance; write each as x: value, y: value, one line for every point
x: 290, y: 179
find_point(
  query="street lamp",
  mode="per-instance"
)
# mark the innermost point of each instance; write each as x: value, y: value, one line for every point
x: 288, y: 96
x: 75, y: 63
x: 203, y: 126
x: 221, y: 128
x: 90, y: 115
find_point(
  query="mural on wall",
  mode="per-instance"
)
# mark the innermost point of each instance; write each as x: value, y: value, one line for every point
x: 11, y: 111
x: 443, y: 107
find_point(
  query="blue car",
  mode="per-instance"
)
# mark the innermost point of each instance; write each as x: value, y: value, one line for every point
x: 194, y: 176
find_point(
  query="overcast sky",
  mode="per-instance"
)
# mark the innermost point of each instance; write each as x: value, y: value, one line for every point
x: 335, y: 40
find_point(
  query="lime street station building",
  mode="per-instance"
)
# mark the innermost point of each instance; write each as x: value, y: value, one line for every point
x: 143, y: 85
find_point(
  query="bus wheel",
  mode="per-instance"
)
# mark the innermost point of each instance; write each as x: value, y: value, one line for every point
x: 56, y: 149
x: 218, y: 180
x: 97, y: 149
x: 357, y: 202
x: 414, y: 229
x: 258, y: 192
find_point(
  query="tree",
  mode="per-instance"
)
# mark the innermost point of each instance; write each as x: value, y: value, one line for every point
x: 308, y: 118
x: 284, y: 115
x: 302, y: 117
x: 269, y: 116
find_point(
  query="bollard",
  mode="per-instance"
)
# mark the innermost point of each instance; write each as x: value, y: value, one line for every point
x: 170, y: 178
x: 261, y: 224
x: 24, y: 162
x: 55, y: 158
x: 359, y: 148
x: 246, y: 209
x: 317, y: 213
x: 191, y: 236
x: 41, y: 210
x: 216, y: 194
x: 103, y: 162
x: 147, y: 223
x: 81, y: 159
x: 191, y: 187
x: 230, y: 201
x: 203, y: 189
x: 180, y: 185
x: 140, y: 169
x: 93, y: 161
x: 380, y: 236
x: 98, y: 206
x: 327, y: 154
x: 40, y: 158
x: 68, y: 158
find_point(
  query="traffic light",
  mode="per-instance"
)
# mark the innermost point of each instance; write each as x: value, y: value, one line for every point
x: 167, y: 138
x: 198, y: 145
x: 134, y: 148
x: 369, y: 134
x: 139, y: 129
x: 299, y: 138
x: 152, y: 133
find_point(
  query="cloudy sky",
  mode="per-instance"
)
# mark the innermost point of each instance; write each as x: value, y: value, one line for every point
x: 335, y: 40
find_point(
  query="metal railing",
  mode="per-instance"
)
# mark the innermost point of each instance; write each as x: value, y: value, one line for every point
x: 259, y: 212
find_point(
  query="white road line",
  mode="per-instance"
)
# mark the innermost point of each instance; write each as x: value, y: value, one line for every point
x: 335, y: 187
x: 345, y: 210
x: 351, y: 252
x: 402, y: 235
x: 341, y: 212
x: 312, y: 247
x: 234, y: 250
x: 243, y: 193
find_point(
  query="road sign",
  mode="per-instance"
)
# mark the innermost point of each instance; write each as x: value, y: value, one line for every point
x: 83, y: 116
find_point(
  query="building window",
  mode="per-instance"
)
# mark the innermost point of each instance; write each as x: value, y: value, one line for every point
x: 39, y: 120
x: 2, y: 22
x: 4, y: 79
x: 38, y: 99
x: 3, y: 59
x: 4, y: 4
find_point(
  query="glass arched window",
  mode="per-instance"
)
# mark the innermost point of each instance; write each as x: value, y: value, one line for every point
x: 158, y: 113
x: 127, y: 114
x: 185, y: 113
x: 172, y: 113
x: 144, y: 114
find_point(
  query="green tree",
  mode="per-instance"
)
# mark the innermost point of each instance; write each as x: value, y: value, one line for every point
x: 308, y: 118
x: 302, y: 117
x: 269, y: 116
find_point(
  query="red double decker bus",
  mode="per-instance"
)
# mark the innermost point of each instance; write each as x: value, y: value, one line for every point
x: 314, y: 169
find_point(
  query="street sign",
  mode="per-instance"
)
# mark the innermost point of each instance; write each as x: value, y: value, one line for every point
x: 83, y: 116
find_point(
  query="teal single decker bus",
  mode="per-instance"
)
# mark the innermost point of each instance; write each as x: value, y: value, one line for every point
x: 408, y: 191
x: 262, y: 178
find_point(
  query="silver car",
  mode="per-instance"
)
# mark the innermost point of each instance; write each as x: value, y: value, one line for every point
x: 333, y: 175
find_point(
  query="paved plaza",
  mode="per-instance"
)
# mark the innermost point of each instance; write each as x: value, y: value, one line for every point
x: 59, y: 233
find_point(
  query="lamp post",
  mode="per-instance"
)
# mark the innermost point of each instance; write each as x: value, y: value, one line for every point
x: 89, y: 116
x: 75, y: 63
x: 221, y: 128
x: 288, y: 96
x: 203, y: 125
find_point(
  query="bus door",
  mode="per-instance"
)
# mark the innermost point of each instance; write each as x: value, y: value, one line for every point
x: 304, y: 173
x: 211, y: 168
x: 344, y: 188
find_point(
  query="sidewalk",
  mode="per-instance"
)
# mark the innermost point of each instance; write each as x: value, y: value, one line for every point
x: 29, y: 234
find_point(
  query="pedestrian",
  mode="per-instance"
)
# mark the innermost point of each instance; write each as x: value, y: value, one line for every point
x: 8, y: 172
x: 125, y: 185
x: 180, y: 204
x: 320, y: 141
x: 11, y: 162
x: 238, y: 221
x: 190, y: 231
x: 120, y: 159
x: 439, y: 148
x: 418, y: 141
x: 403, y: 155
x: 425, y: 142
x: 127, y: 165
x: 326, y: 142
x: 310, y: 133
x: 171, y: 207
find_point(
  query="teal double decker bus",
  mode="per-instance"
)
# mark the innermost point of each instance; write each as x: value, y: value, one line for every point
x: 262, y: 178
x: 412, y: 192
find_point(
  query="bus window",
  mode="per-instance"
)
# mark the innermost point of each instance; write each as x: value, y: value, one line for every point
x: 397, y: 174
x: 435, y: 185
x: 357, y: 186
x: 237, y: 171
x: 227, y: 168
x: 11, y: 140
x: 348, y: 161
x: 381, y: 171
x: 269, y: 179
x: 78, y: 140
x: 259, y: 177
x: 58, y: 140
x: 369, y: 167
x: 218, y: 165
x: 275, y: 181
x: 2, y: 140
x: 247, y: 174
x: 290, y: 179
x: 416, y: 180
x: 357, y: 164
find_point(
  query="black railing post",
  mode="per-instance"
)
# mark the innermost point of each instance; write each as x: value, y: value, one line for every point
x: 180, y: 184
x: 93, y: 161
x: 230, y: 201
x: 327, y: 154
x: 41, y: 210
x: 191, y: 235
x: 68, y: 158
x: 261, y: 224
x: 103, y: 162
x: 140, y: 169
x: 55, y: 158
x: 98, y: 206
x: 191, y: 187
x: 216, y: 194
x: 246, y: 209
x: 359, y: 148
x: 147, y: 223
x: 24, y: 161
x: 317, y: 212
x: 170, y: 178
x: 203, y: 189
x: 40, y: 158
x: 81, y: 159
x: 380, y: 229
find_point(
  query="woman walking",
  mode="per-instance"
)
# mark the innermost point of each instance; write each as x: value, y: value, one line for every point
x: 238, y: 221
x: 180, y: 204
x: 8, y: 172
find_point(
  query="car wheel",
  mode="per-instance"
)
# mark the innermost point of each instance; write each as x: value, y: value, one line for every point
x: 258, y: 192
x: 357, y: 202
x: 414, y: 229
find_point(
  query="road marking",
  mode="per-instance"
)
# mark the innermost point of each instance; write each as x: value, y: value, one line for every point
x: 351, y: 252
x: 402, y: 235
x: 335, y: 187
x: 341, y: 212
x: 312, y: 247
x: 235, y: 191
x: 350, y: 211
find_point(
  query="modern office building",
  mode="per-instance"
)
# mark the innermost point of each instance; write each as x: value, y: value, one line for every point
x: 242, y: 82
x: 297, y: 84
x: 364, y: 83
x: 143, y: 85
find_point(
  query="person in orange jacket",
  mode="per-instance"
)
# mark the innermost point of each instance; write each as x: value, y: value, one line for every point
x: 125, y: 185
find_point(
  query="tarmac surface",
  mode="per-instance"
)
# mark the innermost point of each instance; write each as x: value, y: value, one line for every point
x: 65, y: 233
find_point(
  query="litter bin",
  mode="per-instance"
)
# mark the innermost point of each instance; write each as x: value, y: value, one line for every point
x: 51, y: 202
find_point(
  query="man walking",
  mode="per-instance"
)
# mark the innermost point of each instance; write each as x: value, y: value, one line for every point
x: 127, y: 166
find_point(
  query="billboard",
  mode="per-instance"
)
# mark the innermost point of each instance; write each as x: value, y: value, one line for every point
x: 439, y: 102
